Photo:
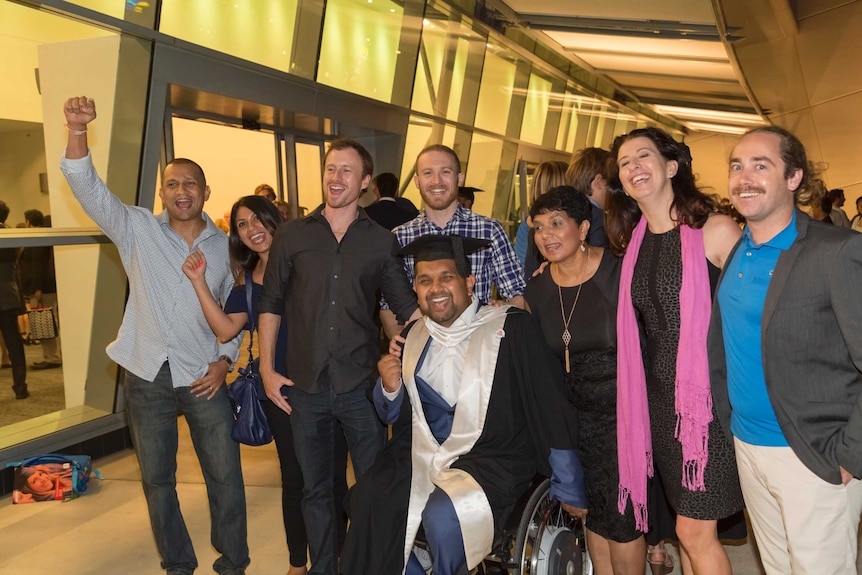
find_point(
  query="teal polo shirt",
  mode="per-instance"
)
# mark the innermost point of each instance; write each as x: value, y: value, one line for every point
x: 742, y: 295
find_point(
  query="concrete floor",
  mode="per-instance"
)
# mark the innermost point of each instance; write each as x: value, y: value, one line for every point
x: 107, y: 529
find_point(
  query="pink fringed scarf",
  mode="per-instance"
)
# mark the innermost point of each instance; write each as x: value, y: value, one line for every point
x: 692, y: 391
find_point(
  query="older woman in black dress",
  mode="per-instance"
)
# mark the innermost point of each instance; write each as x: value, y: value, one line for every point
x: 575, y: 302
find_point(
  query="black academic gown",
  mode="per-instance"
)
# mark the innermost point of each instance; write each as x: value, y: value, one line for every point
x: 528, y: 415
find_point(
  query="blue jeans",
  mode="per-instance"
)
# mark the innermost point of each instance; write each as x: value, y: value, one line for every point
x: 314, y: 422
x: 152, y: 408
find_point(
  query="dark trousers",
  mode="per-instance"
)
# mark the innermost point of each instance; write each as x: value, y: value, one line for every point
x: 315, y: 422
x: 291, y: 484
x: 15, y: 345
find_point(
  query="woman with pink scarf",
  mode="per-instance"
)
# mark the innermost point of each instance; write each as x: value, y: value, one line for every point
x: 674, y: 245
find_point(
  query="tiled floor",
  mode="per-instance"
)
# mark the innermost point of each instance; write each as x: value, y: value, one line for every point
x: 107, y: 530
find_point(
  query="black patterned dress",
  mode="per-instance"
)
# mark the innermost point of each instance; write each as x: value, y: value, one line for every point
x: 592, y: 383
x: 655, y: 294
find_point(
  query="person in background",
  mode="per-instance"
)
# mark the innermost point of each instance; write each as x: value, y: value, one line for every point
x: 589, y: 172
x: 785, y: 349
x: 389, y: 210
x: 39, y: 288
x: 856, y: 224
x: 171, y: 357
x: 467, y: 196
x: 266, y: 191
x: 838, y: 215
x: 674, y: 245
x: 548, y: 175
x: 283, y: 210
x: 11, y: 306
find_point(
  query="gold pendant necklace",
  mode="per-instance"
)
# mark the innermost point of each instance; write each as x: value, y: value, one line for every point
x: 567, y: 336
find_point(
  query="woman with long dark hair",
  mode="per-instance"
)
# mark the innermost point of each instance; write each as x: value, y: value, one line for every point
x: 674, y: 245
x: 253, y: 221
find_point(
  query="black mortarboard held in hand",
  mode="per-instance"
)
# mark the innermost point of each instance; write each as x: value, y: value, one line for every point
x: 449, y: 247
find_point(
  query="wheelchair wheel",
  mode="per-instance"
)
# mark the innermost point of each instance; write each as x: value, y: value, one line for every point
x: 549, y: 541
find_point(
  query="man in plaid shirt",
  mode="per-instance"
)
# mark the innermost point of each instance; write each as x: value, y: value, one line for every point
x: 438, y: 176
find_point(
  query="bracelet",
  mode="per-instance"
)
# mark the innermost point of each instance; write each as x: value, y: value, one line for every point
x: 76, y: 132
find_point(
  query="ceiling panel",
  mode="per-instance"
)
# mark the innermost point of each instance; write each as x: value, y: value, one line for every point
x: 698, y: 11
x: 657, y: 52
x: 609, y: 63
x: 656, y: 46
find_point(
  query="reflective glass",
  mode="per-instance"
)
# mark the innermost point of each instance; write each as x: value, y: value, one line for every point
x: 495, y: 92
x: 55, y: 58
x: 491, y: 167
x: 260, y: 31
x: 360, y: 46
x: 536, y: 109
x: 442, y: 68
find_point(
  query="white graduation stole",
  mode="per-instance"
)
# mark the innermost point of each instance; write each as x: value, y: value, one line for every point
x: 431, y: 461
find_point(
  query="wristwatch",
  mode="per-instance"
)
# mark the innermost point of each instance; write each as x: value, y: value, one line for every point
x: 229, y: 362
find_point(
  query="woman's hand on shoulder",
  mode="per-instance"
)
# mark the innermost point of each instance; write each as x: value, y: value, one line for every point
x: 720, y: 234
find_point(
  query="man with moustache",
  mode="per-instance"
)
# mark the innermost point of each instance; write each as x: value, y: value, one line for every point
x: 171, y: 358
x: 323, y: 274
x: 438, y: 177
x: 479, y: 407
x: 785, y: 347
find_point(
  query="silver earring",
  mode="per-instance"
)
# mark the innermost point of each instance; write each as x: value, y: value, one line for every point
x: 583, y: 247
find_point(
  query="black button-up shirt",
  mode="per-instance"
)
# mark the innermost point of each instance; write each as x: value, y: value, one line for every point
x: 325, y: 291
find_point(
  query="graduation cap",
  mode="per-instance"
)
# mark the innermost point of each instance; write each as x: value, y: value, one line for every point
x: 467, y: 192
x: 445, y: 247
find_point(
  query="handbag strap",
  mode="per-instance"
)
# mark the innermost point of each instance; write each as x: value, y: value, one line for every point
x: 248, y: 290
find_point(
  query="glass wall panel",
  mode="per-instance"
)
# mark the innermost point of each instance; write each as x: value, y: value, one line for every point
x: 309, y: 171
x: 359, y: 49
x: 495, y: 93
x: 536, y: 109
x: 115, y: 8
x: 54, y: 58
x: 448, y: 47
x: 260, y: 31
x: 567, y: 133
x: 491, y: 168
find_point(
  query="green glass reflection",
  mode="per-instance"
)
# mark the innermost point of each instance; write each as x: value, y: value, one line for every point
x: 536, y: 109
x: 441, y: 70
x: 359, y: 49
x: 568, y: 125
x: 495, y: 92
x: 255, y: 30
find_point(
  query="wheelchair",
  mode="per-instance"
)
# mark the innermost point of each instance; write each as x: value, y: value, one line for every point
x: 540, y: 538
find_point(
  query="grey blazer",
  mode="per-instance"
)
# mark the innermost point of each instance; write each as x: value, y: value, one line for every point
x: 811, y: 347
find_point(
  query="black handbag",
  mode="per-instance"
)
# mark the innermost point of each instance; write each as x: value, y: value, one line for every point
x: 250, y: 425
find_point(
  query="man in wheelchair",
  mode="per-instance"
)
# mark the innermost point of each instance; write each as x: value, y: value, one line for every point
x: 478, y: 407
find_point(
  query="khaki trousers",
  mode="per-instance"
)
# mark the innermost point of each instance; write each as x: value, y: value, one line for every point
x: 803, y: 525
